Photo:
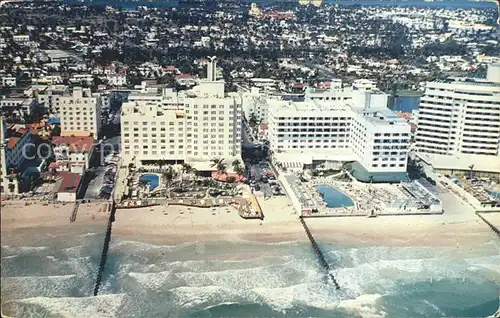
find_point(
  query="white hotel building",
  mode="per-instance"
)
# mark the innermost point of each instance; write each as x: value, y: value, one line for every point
x: 459, y: 123
x: 189, y: 126
x: 362, y: 96
x: 370, y: 136
x: 80, y: 113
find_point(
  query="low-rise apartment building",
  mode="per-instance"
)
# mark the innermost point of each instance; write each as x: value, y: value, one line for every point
x: 72, y: 154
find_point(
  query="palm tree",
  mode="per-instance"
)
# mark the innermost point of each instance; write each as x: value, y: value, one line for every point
x: 471, y: 167
x: 221, y: 167
x: 187, y: 168
x: 238, y: 168
x: 218, y: 163
x: 169, y: 175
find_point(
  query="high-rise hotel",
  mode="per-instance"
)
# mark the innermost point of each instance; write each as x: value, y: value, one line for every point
x: 191, y: 126
x: 368, y: 135
x: 460, y: 115
x: 459, y: 123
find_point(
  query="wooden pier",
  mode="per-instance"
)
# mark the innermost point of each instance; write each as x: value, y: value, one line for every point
x: 319, y: 253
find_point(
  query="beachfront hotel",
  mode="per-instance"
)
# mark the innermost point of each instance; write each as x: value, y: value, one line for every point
x: 362, y: 93
x: 459, y: 124
x: 366, y: 134
x: 191, y: 126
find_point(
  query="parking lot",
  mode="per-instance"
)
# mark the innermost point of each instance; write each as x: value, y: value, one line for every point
x: 263, y: 179
x: 103, y: 182
x: 434, y: 189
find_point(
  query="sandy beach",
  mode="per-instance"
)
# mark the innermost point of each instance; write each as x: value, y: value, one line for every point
x: 49, y: 262
x: 17, y: 216
x: 171, y: 225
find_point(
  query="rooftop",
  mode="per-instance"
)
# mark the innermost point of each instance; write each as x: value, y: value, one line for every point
x: 380, y: 116
x: 75, y: 144
x: 307, y: 106
x: 462, y: 162
x: 70, y: 182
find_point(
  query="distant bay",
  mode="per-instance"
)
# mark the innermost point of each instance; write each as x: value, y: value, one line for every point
x: 131, y: 4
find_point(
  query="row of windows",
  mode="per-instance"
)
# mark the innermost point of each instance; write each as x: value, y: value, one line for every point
x: 312, y: 135
x: 313, y: 146
x: 313, y: 129
x: 194, y: 153
x: 386, y: 153
x: 315, y: 124
x: 317, y: 140
x: 481, y: 142
x: 180, y: 141
x: 392, y: 165
x: 195, y: 106
x: 389, y: 159
x: 146, y: 123
x: 394, y: 134
x: 214, y: 112
x: 386, y: 141
x: 313, y: 118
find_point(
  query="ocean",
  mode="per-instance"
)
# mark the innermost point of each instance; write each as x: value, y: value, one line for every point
x: 49, y: 275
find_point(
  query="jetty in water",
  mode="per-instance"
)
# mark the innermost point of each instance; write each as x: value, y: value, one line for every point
x: 105, y: 249
x: 319, y: 253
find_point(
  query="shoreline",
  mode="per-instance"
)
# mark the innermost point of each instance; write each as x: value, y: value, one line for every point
x: 174, y: 225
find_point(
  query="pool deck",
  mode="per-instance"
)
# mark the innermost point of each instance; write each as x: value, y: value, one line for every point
x: 368, y: 199
x: 337, y: 190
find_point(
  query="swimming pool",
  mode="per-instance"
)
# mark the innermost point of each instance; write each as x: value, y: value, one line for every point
x: 152, y: 179
x: 333, y: 197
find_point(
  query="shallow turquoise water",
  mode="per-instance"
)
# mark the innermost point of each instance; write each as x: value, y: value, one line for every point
x: 333, y: 197
x: 238, y: 279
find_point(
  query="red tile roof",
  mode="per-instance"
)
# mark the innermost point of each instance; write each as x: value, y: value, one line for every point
x: 70, y: 182
x: 13, y: 142
x: 75, y: 144
x: 224, y: 176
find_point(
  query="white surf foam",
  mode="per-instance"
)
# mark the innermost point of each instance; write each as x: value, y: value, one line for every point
x: 187, y: 297
x: 29, y: 286
x: 488, y: 262
x: 364, y: 306
x: 9, y: 257
x: 23, y: 249
x: 247, y: 278
x: 221, y: 304
x: 88, y: 234
x: 284, y: 243
x: 139, y: 246
x: 381, y: 277
x: 84, y: 307
x: 314, y: 295
x: 436, y: 308
x: 154, y: 281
